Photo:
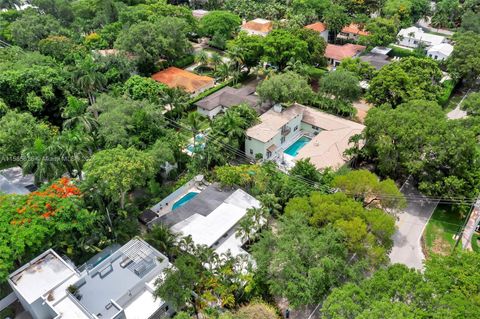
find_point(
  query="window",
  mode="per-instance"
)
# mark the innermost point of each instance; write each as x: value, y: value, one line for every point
x: 251, y: 152
x: 436, y: 58
x: 166, y: 308
x: 295, y: 128
x: 269, y: 154
x: 315, y: 128
x: 415, y: 42
x: 282, y: 140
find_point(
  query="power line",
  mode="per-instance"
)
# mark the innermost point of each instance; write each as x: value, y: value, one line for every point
x: 314, y: 184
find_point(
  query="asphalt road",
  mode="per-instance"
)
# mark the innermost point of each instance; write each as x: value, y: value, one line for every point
x: 411, y: 222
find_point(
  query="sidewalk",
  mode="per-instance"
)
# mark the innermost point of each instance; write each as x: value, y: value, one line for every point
x: 470, y: 227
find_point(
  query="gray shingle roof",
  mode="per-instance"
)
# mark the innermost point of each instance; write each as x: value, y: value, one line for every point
x: 228, y: 97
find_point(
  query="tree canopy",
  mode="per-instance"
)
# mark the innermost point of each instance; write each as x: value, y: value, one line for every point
x: 416, y: 138
x: 408, y: 79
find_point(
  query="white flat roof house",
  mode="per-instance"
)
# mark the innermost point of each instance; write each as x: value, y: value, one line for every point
x: 412, y: 37
x: 210, y: 217
x: 299, y: 132
x: 440, y: 51
x: 119, y: 286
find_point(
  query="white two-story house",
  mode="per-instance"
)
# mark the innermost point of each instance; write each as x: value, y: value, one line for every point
x: 413, y: 37
x: 297, y: 132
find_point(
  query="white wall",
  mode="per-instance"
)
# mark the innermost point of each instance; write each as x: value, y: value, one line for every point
x: 211, y: 114
x: 436, y: 55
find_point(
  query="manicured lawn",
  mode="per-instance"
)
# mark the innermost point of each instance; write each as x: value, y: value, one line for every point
x: 441, y: 229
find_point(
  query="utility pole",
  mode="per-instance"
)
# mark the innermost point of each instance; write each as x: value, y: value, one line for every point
x: 460, y: 234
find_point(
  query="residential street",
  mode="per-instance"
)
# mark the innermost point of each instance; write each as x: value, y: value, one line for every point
x: 410, y: 225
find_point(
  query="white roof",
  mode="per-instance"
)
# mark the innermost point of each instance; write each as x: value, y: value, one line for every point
x: 67, y: 308
x: 260, y: 20
x: 41, y: 275
x: 143, y: 306
x: 420, y: 35
x: 444, y: 48
x: 207, y: 230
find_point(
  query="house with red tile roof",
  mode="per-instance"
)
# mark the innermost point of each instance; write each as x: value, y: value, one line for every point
x: 319, y: 27
x: 257, y: 26
x: 177, y: 78
x: 352, y: 32
x: 336, y: 53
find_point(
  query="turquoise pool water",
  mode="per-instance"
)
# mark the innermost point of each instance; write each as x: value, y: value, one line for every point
x: 182, y: 201
x: 297, y: 146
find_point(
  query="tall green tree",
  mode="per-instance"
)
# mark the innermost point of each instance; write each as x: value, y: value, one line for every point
x: 444, y: 290
x: 88, y: 79
x: 381, y: 31
x: 281, y: 46
x: 286, y: 88
x: 464, y: 62
x: 408, y: 79
x: 417, y: 139
x: 117, y: 171
x: 220, y: 26
x: 343, y: 85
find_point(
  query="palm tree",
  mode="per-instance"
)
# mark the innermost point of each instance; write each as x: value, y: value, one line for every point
x: 44, y: 162
x: 271, y: 202
x: 75, y: 114
x: 88, y: 79
x: 244, y: 229
x: 163, y: 239
x: 233, y: 126
x: 236, y: 57
x: 74, y: 147
x: 194, y: 121
x: 223, y: 71
x: 215, y: 60
x: 202, y: 58
x: 177, y: 99
x: 186, y: 244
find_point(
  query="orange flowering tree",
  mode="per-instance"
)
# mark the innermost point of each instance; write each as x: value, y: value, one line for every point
x: 53, y: 217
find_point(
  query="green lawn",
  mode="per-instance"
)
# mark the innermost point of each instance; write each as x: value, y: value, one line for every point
x: 442, y: 227
x: 475, y: 245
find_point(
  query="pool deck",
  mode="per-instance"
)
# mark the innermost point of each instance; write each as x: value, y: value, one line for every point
x: 168, y: 207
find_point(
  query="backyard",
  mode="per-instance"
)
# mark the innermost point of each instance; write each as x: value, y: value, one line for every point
x: 441, y: 228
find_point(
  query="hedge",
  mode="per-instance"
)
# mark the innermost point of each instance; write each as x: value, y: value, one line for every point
x: 335, y: 107
x: 184, y: 62
x: 447, y: 88
x: 402, y: 53
x: 315, y: 73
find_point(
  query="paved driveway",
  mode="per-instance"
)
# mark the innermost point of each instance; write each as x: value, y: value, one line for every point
x: 407, y: 248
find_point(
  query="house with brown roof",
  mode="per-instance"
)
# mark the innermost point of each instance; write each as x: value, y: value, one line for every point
x: 336, y: 53
x: 177, y: 78
x: 227, y: 97
x: 287, y: 135
x: 257, y: 26
x: 319, y: 27
x: 352, y: 31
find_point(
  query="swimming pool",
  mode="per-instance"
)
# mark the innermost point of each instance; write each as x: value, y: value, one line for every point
x: 182, y: 201
x: 293, y: 149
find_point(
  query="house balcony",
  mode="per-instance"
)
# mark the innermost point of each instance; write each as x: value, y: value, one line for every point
x: 285, y: 131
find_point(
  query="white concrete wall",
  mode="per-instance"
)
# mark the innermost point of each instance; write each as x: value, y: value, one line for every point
x: 210, y: 114
x: 436, y: 55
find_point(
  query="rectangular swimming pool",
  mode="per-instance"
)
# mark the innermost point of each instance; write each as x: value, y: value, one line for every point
x: 293, y: 149
x: 182, y: 201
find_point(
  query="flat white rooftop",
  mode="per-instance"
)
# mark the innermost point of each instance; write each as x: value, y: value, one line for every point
x: 41, y: 275
x: 210, y: 229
